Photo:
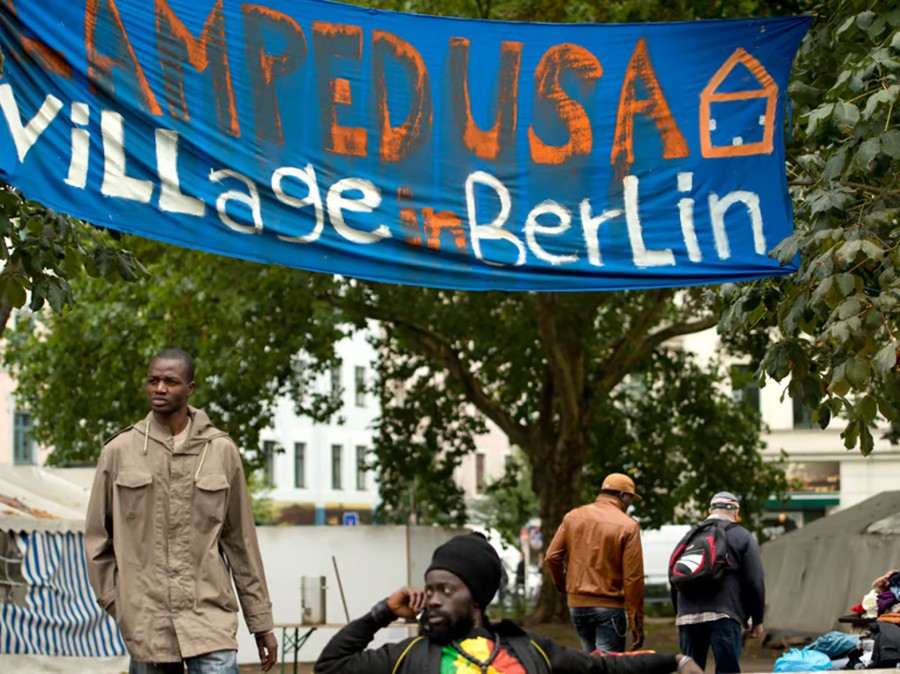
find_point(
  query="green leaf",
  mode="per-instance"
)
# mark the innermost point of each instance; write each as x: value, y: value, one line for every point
x: 58, y: 295
x: 846, y: 115
x: 15, y: 292
x: 885, y: 97
x: 839, y: 385
x: 858, y: 370
x: 834, y: 167
x: 817, y: 116
x: 872, y: 250
x: 885, y: 360
x: 787, y: 250
x: 851, y: 434
x: 849, y: 307
x: 890, y: 143
x: 866, y: 441
x: 846, y: 284
x: 865, y: 19
x: 867, y: 152
x: 824, y: 416
x: 867, y: 408
x: 846, y: 253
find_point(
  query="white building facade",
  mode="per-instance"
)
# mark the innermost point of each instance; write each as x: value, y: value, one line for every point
x: 317, y: 471
x: 827, y: 475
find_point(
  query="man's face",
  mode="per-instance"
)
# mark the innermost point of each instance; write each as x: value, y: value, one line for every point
x: 168, y: 388
x: 449, y: 608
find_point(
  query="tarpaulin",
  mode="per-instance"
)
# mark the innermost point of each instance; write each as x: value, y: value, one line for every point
x: 404, y: 148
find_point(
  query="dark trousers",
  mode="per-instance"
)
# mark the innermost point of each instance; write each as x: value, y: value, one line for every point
x: 723, y: 635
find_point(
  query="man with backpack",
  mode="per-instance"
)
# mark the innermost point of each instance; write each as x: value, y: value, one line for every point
x: 456, y: 635
x: 718, y: 588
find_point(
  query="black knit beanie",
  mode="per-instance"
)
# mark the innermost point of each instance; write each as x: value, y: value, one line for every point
x: 475, y: 561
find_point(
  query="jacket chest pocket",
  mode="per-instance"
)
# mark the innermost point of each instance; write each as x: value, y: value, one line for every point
x: 210, y: 500
x: 133, y: 491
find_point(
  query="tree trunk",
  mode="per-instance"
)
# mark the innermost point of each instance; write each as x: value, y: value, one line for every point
x: 559, y: 490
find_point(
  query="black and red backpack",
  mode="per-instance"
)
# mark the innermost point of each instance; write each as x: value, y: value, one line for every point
x: 701, y: 556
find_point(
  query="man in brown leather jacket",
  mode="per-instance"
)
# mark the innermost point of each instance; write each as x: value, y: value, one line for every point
x: 596, y: 559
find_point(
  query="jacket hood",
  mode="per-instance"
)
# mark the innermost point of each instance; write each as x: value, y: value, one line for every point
x: 201, y: 429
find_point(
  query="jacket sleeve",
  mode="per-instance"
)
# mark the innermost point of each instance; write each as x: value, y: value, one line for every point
x: 98, y: 537
x: 633, y: 574
x: 241, y: 547
x: 556, y: 557
x: 569, y: 661
x: 753, y: 586
x: 346, y: 652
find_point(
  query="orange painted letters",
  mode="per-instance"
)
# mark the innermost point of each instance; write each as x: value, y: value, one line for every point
x: 398, y: 142
x: 49, y: 59
x: 100, y: 66
x: 265, y: 67
x: 654, y: 106
x: 332, y: 41
x: 547, y: 87
x: 486, y: 144
x: 177, y: 46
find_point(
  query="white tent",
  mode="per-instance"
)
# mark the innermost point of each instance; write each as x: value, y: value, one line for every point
x: 47, y: 608
x: 816, y: 573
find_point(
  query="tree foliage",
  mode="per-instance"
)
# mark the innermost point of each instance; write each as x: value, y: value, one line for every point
x: 255, y: 331
x: 838, y: 317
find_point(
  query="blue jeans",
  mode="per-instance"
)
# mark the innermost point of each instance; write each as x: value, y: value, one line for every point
x: 725, y: 638
x: 602, y: 629
x: 217, y: 662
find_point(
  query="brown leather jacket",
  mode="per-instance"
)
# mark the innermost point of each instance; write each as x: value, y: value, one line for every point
x: 596, y: 558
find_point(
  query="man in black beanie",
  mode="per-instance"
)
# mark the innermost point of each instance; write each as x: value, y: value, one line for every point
x: 457, y: 636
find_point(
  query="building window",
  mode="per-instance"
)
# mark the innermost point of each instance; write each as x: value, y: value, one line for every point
x: 801, y: 414
x: 300, y: 465
x: 269, y: 463
x: 360, y: 381
x: 361, y: 467
x: 23, y: 445
x: 336, y: 379
x: 12, y: 582
x: 744, y: 387
x: 336, y: 466
x: 479, y: 473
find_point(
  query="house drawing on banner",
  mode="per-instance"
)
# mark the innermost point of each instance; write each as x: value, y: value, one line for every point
x: 711, y: 97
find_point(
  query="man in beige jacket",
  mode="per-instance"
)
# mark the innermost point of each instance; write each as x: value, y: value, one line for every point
x: 596, y: 559
x: 169, y: 514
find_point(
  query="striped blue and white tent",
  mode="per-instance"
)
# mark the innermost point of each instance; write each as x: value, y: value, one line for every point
x: 47, y: 607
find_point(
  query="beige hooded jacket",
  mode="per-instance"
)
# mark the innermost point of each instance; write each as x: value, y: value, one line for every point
x: 160, y: 526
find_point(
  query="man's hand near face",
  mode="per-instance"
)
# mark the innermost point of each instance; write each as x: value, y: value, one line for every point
x: 407, y: 602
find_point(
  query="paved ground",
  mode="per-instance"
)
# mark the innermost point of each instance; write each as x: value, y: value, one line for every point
x: 662, y: 635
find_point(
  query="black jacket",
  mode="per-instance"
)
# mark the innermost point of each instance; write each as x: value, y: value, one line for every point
x: 346, y: 652
x: 740, y: 593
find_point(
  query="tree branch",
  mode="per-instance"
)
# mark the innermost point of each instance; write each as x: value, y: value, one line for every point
x: 636, y: 335
x: 808, y: 182
x: 436, y: 347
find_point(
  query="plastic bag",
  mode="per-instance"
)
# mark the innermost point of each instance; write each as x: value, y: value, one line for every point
x: 835, y: 644
x: 803, y: 661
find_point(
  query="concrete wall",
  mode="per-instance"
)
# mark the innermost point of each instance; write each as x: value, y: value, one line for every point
x: 373, y: 562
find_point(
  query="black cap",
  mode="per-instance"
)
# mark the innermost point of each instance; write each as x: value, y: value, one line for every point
x: 475, y: 561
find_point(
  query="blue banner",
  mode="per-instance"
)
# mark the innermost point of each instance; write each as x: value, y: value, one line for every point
x: 404, y: 148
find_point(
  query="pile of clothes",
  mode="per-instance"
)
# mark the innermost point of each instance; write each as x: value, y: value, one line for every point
x: 878, y: 649
x: 883, y: 600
